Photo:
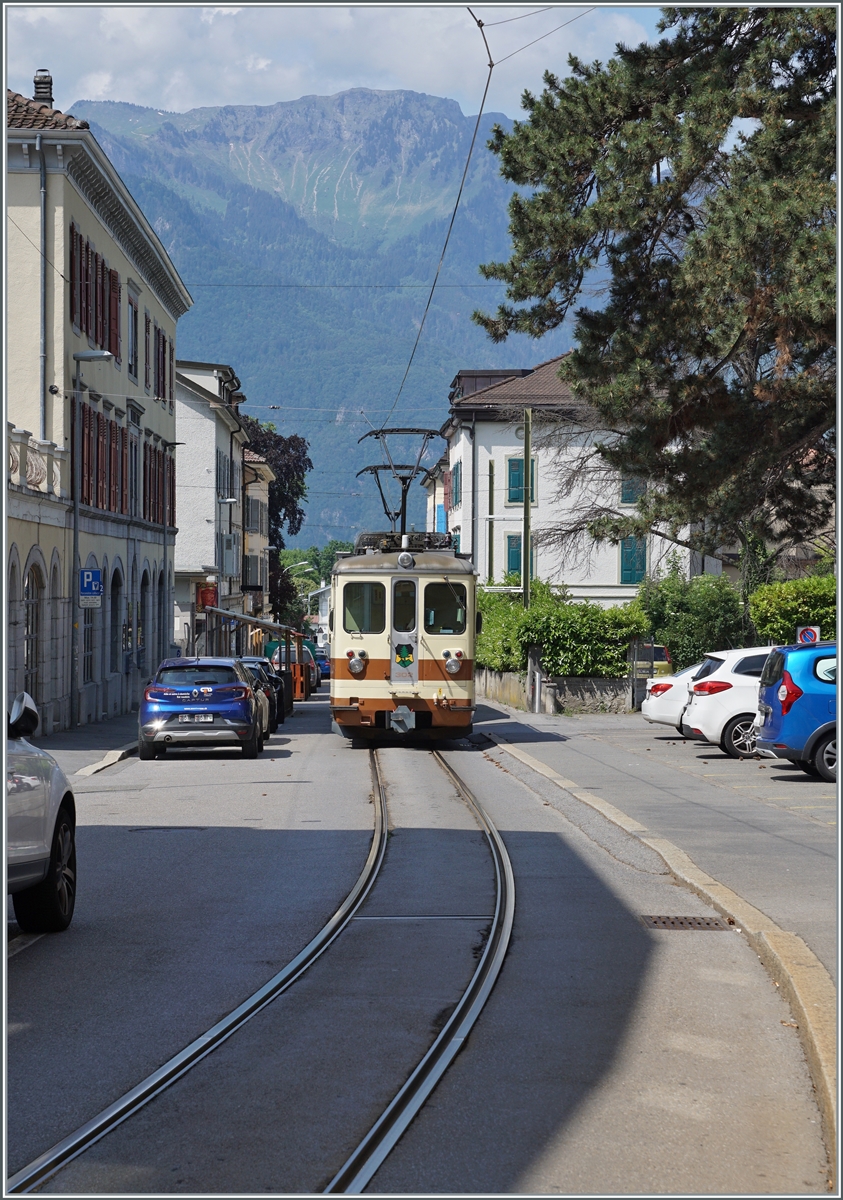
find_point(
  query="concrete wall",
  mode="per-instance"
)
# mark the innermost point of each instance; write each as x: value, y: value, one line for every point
x: 567, y: 694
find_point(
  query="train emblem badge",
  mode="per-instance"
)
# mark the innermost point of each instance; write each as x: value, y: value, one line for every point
x: 404, y: 656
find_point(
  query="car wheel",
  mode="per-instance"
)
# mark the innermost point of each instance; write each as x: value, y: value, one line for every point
x: 282, y: 713
x: 738, y: 738
x: 160, y: 751
x: 825, y: 757
x: 260, y: 743
x: 146, y: 750
x: 48, y: 907
x: 808, y: 767
x: 250, y: 747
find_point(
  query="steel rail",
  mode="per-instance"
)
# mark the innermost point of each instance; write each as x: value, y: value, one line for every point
x: 363, y: 1163
x: 76, y: 1143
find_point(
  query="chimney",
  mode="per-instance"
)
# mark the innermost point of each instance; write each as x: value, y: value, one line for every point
x: 43, y: 87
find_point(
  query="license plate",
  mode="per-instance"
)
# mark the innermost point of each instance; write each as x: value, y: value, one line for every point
x: 196, y: 717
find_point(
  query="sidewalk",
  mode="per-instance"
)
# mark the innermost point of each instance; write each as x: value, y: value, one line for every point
x: 74, y: 749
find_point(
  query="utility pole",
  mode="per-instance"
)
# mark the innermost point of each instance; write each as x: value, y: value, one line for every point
x: 528, y: 499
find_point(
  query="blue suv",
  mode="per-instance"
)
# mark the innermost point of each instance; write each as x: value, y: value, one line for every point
x: 199, y: 702
x: 797, y: 708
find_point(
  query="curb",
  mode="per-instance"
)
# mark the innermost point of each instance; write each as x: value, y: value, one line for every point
x: 802, y: 979
x: 112, y: 757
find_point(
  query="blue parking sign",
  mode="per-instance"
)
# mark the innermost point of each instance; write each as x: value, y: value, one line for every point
x: 90, y: 587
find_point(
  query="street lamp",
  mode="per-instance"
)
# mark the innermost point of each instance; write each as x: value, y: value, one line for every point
x: 79, y: 357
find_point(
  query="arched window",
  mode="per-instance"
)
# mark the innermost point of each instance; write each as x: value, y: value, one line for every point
x: 12, y: 655
x: 55, y: 632
x: 143, y: 621
x: 32, y: 594
x: 116, y: 632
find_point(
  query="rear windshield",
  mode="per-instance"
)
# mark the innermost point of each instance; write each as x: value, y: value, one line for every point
x: 364, y: 607
x: 825, y: 669
x: 773, y: 667
x: 196, y: 676
x: 753, y: 664
x: 444, y: 608
x: 709, y: 666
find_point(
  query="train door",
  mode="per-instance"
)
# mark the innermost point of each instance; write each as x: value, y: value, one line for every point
x: 404, y: 634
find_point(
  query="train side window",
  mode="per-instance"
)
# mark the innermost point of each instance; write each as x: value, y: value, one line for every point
x: 444, y: 608
x: 364, y: 607
x: 404, y: 606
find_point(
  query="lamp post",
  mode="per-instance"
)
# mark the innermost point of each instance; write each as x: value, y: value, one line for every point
x: 528, y: 499
x: 80, y: 357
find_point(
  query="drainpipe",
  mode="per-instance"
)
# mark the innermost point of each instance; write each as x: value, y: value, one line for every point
x: 42, y: 378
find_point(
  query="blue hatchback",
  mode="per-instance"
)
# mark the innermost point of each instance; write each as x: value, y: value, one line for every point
x: 199, y: 702
x: 797, y: 708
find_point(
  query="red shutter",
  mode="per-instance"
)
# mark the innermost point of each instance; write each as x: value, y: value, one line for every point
x: 114, y: 468
x: 160, y: 485
x: 145, y: 482
x: 172, y: 392
x: 74, y: 465
x: 124, y: 474
x: 102, y: 461
x: 98, y: 299
x: 85, y: 455
x: 172, y: 489
x: 89, y: 291
x: 114, y: 314
x: 446, y: 486
x: 146, y: 350
x: 74, y: 293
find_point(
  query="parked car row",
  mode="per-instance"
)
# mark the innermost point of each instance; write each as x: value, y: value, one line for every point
x: 779, y: 703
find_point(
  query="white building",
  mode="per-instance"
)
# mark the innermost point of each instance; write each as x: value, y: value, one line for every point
x: 476, y: 489
x: 257, y: 476
x: 209, y: 498
x: 86, y: 276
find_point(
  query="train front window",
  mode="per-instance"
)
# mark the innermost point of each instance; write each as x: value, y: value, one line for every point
x: 444, y: 608
x: 404, y: 606
x: 364, y: 607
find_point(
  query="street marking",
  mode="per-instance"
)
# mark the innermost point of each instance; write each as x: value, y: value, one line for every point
x: 21, y: 942
x: 112, y: 757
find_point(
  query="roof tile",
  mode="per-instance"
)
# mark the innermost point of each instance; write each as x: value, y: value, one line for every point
x: 22, y: 113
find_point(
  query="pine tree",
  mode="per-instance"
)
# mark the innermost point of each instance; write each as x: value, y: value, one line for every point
x: 694, y: 181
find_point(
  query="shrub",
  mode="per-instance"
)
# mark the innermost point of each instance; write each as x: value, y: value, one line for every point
x: 777, y: 608
x: 693, y: 616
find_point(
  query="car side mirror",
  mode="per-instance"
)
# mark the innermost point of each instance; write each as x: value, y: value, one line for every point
x: 23, y: 719
x: 478, y: 623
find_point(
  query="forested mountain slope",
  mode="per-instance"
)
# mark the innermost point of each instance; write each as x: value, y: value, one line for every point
x: 353, y: 191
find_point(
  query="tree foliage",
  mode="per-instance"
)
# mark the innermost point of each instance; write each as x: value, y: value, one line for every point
x: 693, y: 616
x: 778, y: 608
x: 695, y: 178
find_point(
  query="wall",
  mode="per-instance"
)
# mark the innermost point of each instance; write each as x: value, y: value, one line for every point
x: 566, y: 694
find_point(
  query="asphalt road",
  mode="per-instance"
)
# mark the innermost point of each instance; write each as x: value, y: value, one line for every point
x: 610, y: 1058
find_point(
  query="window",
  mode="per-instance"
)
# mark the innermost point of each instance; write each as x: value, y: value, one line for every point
x: 440, y: 519
x: 364, y: 607
x: 709, y: 666
x: 444, y: 608
x: 825, y: 670
x: 117, y: 631
x: 132, y: 364
x: 115, y: 341
x: 199, y: 676
x: 88, y: 645
x: 404, y: 606
x: 147, y: 350
x: 456, y: 485
x: 631, y: 490
x: 633, y: 560
x: 490, y: 538
x: 515, y: 481
x: 491, y: 486
x: 31, y: 631
x: 753, y: 664
x: 513, y: 555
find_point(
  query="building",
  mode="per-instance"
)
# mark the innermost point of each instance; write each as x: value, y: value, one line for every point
x: 91, y: 329
x: 257, y: 476
x: 209, y: 498
x: 476, y: 490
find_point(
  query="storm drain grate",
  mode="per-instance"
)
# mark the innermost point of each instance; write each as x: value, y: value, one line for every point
x: 710, y: 923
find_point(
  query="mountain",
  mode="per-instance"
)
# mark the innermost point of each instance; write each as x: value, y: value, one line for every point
x: 292, y: 225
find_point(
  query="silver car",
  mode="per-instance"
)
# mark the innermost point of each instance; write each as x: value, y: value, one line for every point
x: 40, y: 826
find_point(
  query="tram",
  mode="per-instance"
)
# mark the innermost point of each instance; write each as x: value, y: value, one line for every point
x: 403, y: 625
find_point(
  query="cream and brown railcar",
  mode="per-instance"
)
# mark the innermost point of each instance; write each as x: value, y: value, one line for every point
x: 403, y: 625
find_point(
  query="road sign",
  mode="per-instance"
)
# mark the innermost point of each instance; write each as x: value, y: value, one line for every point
x: 90, y: 587
x: 808, y: 635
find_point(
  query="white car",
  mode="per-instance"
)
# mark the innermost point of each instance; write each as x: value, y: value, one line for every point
x: 667, y: 697
x: 40, y: 828
x: 724, y: 700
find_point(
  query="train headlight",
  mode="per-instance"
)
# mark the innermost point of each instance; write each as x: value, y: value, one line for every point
x: 405, y: 560
x: 356, y: 665
x: 452, y: 666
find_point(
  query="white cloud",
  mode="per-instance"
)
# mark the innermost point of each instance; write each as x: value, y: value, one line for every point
x: 179, y: 57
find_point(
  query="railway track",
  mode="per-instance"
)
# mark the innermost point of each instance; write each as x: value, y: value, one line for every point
x: 373, y: 1149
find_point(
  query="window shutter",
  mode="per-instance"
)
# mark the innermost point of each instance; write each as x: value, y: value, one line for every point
x: 124, y: 474
x: 114, y: 480
x: 74, y: 283
x: 87, y: 298
x: 515, y: 486
x: 98, y: 299
x: 114, y: 314
x: 172, y: 390
x: 147, y: 361
x: 172, y: 490
x: 446, y: 487
x: 84, y: 465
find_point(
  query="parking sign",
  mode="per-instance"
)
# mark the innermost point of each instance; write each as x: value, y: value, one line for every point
x: 90, y: 587
x: 808, y: 635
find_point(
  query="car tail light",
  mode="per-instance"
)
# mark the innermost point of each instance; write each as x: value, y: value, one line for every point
x: 240, y: 692
x: 157, y: 693
x: 710, y: 687
x: 658, y: 688
x: 788, y: 693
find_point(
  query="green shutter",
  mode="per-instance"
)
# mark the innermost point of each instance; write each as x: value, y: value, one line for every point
x: 633, y: 560
x: 515, y: 482
x: 631, y: 490
x: 513, y: 554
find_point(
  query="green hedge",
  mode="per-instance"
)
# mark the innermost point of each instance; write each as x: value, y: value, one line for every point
x: 694, y: 616
x: 576, y: 639
x: 778, y: 608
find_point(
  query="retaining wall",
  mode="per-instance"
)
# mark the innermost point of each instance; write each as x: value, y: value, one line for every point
x: 560, y: 693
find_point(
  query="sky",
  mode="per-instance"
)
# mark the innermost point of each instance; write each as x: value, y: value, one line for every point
x: 177, y: 57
